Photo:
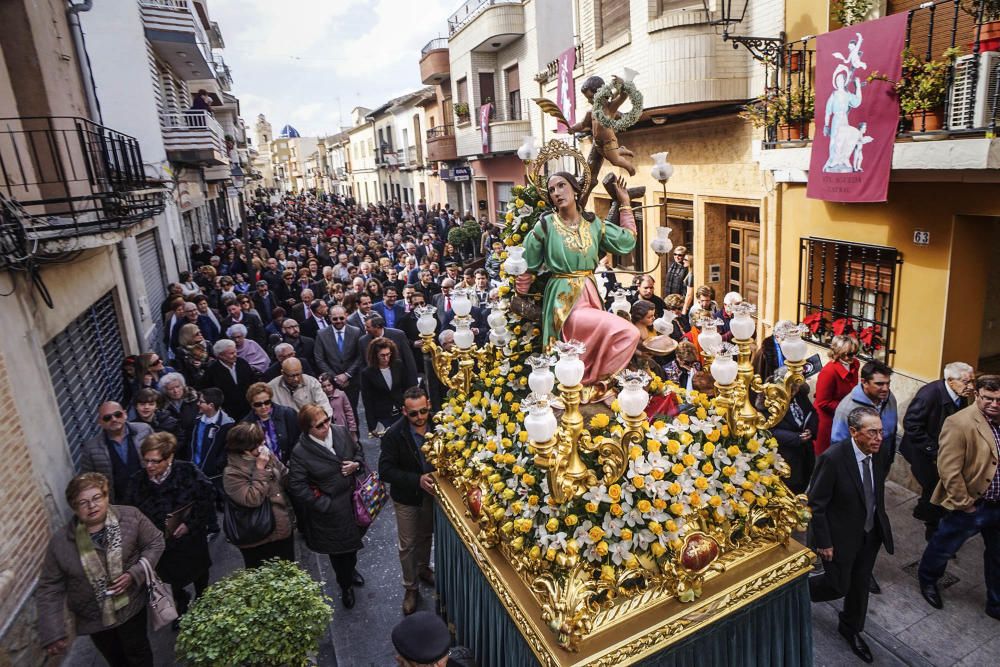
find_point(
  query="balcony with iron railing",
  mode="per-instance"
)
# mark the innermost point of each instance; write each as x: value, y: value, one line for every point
x: 962, y: 121
x: 176, y: 33
x: 193, y: 137
x: 434, y: 64
x: 509, y: 123
x: 441, y: 143
x: 64, y: 177
x: 551, y: 70
x: 485, y: 22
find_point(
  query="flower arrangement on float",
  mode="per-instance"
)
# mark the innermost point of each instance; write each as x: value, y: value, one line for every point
x: 687, y: 475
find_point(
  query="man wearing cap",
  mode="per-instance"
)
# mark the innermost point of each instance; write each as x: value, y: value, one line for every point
x: 421, y: 639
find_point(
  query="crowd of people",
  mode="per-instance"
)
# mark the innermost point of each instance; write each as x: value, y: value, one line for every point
x: 279, y: 335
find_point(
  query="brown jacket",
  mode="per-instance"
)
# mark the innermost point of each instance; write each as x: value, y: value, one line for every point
x: 63, y: 583
x: 249, y: 487
x: 967, y: 459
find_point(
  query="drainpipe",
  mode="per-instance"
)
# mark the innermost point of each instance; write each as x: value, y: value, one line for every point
x: 133, y: 299
x: 82, y: 58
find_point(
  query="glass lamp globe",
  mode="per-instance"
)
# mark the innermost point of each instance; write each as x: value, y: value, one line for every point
x: 742, y: 324
x: 662, y: 170
x: 540, y: 422
x: 662, y: 244
x: 528, y: 149
x: 710, y: 339
x: 633, y: 398
x: 461, y: 302
x: 569, y: 368
x: 541, y: 380
x: 464, y: 338
x: 426, y: 322
x: 792, y: 346
x: 724, y: 368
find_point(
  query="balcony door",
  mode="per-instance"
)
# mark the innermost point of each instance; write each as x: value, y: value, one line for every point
x: 743, y: 229
x: 487, y: 89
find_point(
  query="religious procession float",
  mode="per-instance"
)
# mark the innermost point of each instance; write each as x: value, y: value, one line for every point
x: 590, y: 513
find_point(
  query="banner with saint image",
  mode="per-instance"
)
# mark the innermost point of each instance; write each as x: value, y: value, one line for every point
x: 856, y: 119
x: 565, y: 93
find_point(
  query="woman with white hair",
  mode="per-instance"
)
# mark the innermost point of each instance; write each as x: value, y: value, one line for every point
x: 248, y: 350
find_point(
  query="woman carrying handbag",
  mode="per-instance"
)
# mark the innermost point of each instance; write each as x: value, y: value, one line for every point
x: 254, y: 476
x: 321, y: 480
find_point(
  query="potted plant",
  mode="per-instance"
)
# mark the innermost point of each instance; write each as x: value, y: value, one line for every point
x: 922, y: 88
x: 270, y: 615
x: 849, y: 12
x: 988, y: 22
x: 462, y: 112
x: 789, y: 112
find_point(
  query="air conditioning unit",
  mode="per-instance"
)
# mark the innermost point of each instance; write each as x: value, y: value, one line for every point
x: 966, y: 112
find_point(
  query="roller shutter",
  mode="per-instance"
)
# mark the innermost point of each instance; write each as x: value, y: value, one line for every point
x: 156, y: 288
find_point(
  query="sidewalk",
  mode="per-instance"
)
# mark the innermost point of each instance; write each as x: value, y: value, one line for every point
x: 902, y: 629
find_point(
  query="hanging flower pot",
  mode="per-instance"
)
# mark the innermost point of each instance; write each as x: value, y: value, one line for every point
x: 989, y: 37
x: 789, y: 132
x: 795, y: 61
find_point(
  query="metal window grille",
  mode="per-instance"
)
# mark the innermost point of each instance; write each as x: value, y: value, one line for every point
x: 849, y: 288
x: 85, y: 366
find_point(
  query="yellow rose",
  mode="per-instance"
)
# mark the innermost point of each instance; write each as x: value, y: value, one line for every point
x: 528, y: 479
x: 517, y: 470
x: 518, y: 203
x: 644, y: 506
x: 550, y: 554
x: 634, y: 452
x: 653, y: 445
x: 517, y: 543
x: 596, y: 533
x: 617, y: 510
x: 657, y: 549
x: 673, y: 447
x: 608, y: 574
x: 601, y: 549
x: 540, y: 204
x: 715, y: 501
x: 535, y: 553
x: 626, y: 534
x: 725, y: 431
x: 552, y: 525
x: 508, y: 494
x: 674, y: 489
x: 638, y: 481
x: 657, y: 473
x: 709, y: 449
x: 749, y: 497
x: 572, y: 547
x: 701, y: 414
x: 591, y: 507
x: 677, y: 469
x: 660, y: 503
x: 689, y: 460
x: 533, y: 499
x: 753, y: 446
x: 713, y: 435
x: 615, y: 491
x: 728, y: 471
x: 522, y: 437
x: 654, y: 527
x: 507, y: 528
x: 695, y: 499
x: 599, y: 420
x: 686, y: 438
x: 701, y: 483
x: 683, y: 418
x: 509, y: 217
x: 708, y: 468
x: 659, y: 425
x: 677, y: 509
x: 615, y: 406
x: 671, y: 525
x: 571, y: 520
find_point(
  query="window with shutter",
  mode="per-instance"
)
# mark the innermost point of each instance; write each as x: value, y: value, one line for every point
x: 613, y: 17
x: 513, y: 82
x: 85, y: 366
x: 151, y: 262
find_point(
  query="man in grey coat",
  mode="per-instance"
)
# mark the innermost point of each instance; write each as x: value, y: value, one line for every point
x: 114, y: 452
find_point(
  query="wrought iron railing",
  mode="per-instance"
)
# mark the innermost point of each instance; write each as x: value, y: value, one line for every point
x: 470, y: 10
x: 849, y: 288
x: 433, y: 45
x: 70, y: 176
x: 440, y: 132
x: 552, y: 67
x: 972, y: 100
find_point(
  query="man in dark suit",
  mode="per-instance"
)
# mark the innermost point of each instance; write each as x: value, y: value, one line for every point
x: 935, y: 402
x: 302, y: 310
x: 236, y: 315
x: 304, y: 346
x: 336, y: 353
x: 442, y: 301
x: 313, y: 325
x: 850, y: 525
x: 375, y: 327
x: 232, y: 376
x: 407, y: 472
x: 389, y: 308
x: 357, y: 318
x: 264, y: 301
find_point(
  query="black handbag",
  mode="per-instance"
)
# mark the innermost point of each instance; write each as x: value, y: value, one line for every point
x: 247, y: 525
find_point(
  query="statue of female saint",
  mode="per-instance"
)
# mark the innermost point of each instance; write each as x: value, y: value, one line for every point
x: 570, y: 242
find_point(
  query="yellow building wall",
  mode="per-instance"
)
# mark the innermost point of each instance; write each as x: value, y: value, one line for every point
x: 806, y: 17
x: 940, y: 288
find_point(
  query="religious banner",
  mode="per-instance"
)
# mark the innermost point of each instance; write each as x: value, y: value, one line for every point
x: 565, y: 93
x: 856, y: 119
x: 484, y: 125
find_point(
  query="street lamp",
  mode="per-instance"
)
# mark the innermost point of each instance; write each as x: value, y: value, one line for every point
x: 732, y: 12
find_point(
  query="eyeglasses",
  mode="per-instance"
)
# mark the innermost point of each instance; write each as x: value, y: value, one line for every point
x: 91, y: 502
x: 156, y: 363
x: 152, y: 462
x: 872, y: 431
x: 117, y: 414
x: 414, y: 413
x: 262, y: 404
x: 322, y: 423
x: 337, y: 319
x: 989, y: 399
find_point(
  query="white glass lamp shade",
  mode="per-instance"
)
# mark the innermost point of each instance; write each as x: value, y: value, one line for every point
x: 630, y: 75
x: 528, y: 149
x: 541, y: 381
x: 426, y: 322
x: 662, y: 170
x: 499, y: 338
x: 540, y: 422
x: 464, y: 338
x: 570, y: 368
x: 662, y: 244
x: 709, y: 339
x: 742, y: 326
x: 620, y: 303
x: 792, y: 345
x: 724, y: 370
x: 515, y: 264
x: 496, y: 319
x: 633, y: 400
x: 665, y: 325
x: 460, y: 302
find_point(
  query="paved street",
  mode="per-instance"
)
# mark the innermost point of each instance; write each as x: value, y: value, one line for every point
x: 902, y: 628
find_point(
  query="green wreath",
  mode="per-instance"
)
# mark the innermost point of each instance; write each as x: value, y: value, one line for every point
x: 629, y: 118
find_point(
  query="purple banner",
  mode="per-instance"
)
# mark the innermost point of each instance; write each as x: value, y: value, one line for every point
x: 484, y: 126
x: 856, y: 120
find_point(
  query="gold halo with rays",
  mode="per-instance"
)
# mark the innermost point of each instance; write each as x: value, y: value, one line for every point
x: 556, y: 148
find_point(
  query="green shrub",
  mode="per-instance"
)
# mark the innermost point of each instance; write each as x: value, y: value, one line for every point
x: 271, y: 615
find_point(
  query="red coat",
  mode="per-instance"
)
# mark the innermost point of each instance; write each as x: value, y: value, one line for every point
x: 834, y: 382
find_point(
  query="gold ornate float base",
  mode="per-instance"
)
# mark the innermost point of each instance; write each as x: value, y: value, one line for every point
x: 637, y: 627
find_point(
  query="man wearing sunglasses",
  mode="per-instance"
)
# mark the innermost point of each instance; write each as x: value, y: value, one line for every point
x: 404, y: 468
x: 114, y: 452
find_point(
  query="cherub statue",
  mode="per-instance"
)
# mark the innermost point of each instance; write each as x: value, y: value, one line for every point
x: 605, y: 139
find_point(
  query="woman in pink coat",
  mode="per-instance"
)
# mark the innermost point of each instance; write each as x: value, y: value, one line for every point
x: 343, y: 414
x: 835, y: 381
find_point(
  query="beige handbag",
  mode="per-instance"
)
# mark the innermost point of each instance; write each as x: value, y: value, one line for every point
x: 162, y: 611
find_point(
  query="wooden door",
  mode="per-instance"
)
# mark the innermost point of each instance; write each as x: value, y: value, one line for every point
x: 744, y: 253
x: 487, y: 89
